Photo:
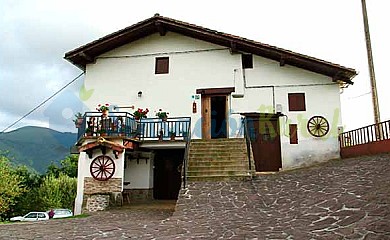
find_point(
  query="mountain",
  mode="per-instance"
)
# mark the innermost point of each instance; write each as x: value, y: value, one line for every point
x: 37, y: 147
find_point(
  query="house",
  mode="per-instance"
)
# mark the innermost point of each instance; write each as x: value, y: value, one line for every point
x: 236, y: 107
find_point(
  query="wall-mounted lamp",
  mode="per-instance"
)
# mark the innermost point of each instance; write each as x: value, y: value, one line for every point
x: 140, y: 94
x: 279, y: 108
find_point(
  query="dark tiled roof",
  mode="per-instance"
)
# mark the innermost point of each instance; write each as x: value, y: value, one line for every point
x: 87, y: 53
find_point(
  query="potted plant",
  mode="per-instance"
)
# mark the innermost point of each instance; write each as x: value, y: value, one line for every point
x: 172, y: 135
x: 88, y: 131
x: 162, y: 115
x: 184, y: 134
x: 102, y: 132
x: 78, y: 120
x: 140, y: 113
x: 103, y: 108
x: 161, y: 135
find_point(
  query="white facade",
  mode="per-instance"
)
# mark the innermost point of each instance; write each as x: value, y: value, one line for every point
x: 118, y: 75
x: 83, y: 167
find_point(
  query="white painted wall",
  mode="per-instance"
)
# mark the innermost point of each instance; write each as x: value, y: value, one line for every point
x: 139, y: 173
x: 196, y: 64
x: 84, y: 163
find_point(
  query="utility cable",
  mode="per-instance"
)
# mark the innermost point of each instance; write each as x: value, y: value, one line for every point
x: 42, y: 103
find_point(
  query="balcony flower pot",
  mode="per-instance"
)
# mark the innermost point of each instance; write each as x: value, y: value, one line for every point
x: 161, y: 135
x: 172, y: 136
x: 103, y: 109
x: 140, y: 113
x: 162, y: 115
x: 78, y: 120
x: 88, y: 132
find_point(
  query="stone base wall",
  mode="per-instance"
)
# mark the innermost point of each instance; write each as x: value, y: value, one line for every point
x: 98, y: 202
x: 100, y: 195
x: 137, y: 194
x: 93, y: 186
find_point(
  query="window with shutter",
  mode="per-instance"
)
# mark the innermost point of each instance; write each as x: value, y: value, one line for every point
x: 293, y: 134
x: 296, y: 102
x: 162, y: 65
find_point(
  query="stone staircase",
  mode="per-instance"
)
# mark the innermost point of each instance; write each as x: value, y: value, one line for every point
x: 218, y: 160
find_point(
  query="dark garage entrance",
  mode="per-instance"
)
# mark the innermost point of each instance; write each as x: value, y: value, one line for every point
x: 167, y: 176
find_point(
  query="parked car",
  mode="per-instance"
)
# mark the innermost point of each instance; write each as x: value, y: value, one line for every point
x: 62, y: 213
x: 32, y: 216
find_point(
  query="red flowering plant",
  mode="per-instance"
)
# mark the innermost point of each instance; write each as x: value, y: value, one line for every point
x: 140, y: 113
x: 102, y: 107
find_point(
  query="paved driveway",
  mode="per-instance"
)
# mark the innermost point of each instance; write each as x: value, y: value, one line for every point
x: 347, y: 199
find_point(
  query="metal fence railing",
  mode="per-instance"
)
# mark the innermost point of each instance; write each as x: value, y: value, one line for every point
x: 371, y: 133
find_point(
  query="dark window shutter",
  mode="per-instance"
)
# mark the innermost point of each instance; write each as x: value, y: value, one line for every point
x: 162, y: 65
x: 247, y: 61
x: 296, y: 102
x: 293, y: 134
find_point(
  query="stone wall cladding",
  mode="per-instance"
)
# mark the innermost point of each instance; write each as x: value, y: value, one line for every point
x: 98, y: 202
x: 92, y: 186
x: 139, y: 194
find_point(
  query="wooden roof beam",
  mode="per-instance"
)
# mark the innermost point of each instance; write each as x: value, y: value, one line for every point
x: 160, y: 28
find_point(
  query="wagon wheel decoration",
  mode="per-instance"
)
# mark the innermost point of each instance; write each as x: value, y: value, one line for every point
x: 102, y: 168
x: 318, y: 126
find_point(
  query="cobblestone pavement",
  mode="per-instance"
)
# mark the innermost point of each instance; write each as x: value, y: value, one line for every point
x: 348, y: 199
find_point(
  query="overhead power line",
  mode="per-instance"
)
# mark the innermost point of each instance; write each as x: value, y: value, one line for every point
x: 42, y: 103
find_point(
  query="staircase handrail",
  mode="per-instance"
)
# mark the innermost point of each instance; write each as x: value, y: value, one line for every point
x: 186, y: 156
x: 248, y: 141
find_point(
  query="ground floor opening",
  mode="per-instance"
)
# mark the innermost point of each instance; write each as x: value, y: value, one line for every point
x: 167, y: 173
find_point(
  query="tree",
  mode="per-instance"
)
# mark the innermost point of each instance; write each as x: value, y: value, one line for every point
x: 10, y: 185
x: 68, y: 167
x: 57, y: 192
x: 28, y: 201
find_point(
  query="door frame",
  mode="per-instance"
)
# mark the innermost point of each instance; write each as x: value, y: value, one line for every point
x: 206, y: 95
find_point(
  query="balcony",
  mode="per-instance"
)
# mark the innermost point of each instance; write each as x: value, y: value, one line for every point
x: 124, y: 125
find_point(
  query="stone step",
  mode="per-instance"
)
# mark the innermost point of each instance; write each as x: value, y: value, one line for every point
x: 219, y: 140
x: 218, y: 148
x: 228, y: 172
x: 218, y: 168
x: 218, y: 159
x: 216, y: 154
x: 219, y: 162
x: 219, y: 178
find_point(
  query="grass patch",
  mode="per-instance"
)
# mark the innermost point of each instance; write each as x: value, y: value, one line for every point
x: 74, y: 217
x: 5, y: 222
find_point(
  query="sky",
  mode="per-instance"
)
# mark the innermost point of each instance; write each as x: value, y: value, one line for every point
x: 35, y: 35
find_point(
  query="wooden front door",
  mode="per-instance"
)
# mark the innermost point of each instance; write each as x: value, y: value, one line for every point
x: 265, y: 139
x: 214, y: 116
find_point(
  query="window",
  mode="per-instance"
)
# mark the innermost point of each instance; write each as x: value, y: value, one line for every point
x: 162, y: 65
x: 31, y: 215
x: 247, y: 61
x: 293, y: 134
x: 296, y: 102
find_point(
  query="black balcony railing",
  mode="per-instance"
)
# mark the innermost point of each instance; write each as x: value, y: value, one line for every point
x: 124, y: 124
x: 155, y: 128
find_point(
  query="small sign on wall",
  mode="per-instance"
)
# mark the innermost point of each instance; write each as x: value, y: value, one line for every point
x: 196, y: 97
